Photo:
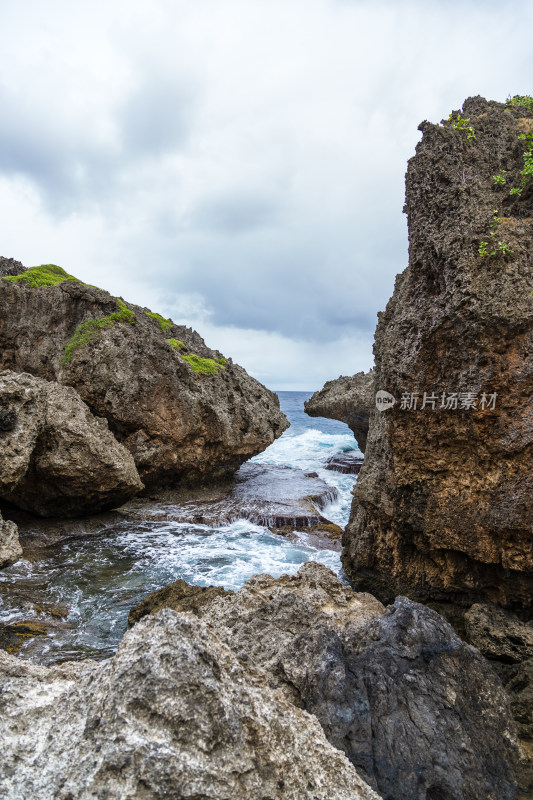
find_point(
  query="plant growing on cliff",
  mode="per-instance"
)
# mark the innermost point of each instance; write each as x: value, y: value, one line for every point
x: 205, y: 366
x: 527, y: 171
x: 499, y: 178
x: 45, y: 275
x: 176, y: 344
x: 459, y: 123
x: 164, y: 324
x: 524, y: 100
x: 89, y: 330
x: 501, y: 248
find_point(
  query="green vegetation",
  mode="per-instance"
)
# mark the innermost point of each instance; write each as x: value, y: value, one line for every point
x: 164, y: 324
x: 176, y: 344
x: 524, y: 100
x: 45, y: 275
x: 460, y: 124
x: 501, y: 249
x: 499, y: 179
x: 89, y: 331
x: 221, y: 361
x: 527, y: 172
x: 205, y: 366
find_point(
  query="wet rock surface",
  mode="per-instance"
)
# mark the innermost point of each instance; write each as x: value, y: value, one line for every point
x: 277, y: 497
x: 144, y: 375
x: 348, y: 463
x: 418, y: 712
x: 442, y: 507
x: 56, y: 458
x: 173, y: 714
x: 349, y: 400
x: 10, y: 548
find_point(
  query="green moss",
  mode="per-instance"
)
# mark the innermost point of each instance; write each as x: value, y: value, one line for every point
x: 89, y: 331
x: 176, y: 344
x: 524, y: 100
x: 164, y: 324
x: 205, y: 366
x: 45, y: 275
x: 221, y: 361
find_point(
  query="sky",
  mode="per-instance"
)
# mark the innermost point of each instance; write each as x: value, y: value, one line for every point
x: 238, y: 165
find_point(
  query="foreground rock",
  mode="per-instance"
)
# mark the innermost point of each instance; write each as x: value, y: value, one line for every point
x: 10, y: 549
x: 348, y: 463
x: 442, y: 507
x: 498, y: 634
x: 56, y: 458
x: 349, y: 400
x: 173, y: 714
x: 185, y: 413
x: 10, y: 267
x: 418, y: 712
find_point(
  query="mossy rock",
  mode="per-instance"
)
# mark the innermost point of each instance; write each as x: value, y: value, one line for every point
x: 45, y: 275
x: 89, y: 330
x: 204, y: 366
x: 13, y: 635
x: 176, y: 344
x: 164, y: 324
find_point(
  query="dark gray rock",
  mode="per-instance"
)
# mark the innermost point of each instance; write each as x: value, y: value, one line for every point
x: 348, y: 463
x: 498, y: 634
x: 8, y: 267
x: 57, y: 459
x: 174, y: 714
x: 419, y: 713
x: 349, y: 400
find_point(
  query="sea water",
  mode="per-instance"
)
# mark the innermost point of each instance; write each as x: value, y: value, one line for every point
x: 83, y: 587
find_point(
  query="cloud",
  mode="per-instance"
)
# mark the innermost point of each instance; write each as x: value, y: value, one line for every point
x: 239, y: 165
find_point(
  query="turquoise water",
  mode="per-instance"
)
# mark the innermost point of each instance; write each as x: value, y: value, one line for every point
x: 82, y: 588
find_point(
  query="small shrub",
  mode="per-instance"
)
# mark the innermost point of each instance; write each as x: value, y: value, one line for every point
x: 499, y: 179
x: 459, y: 123
x: 524, y: 100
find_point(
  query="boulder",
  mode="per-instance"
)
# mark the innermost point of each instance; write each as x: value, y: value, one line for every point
x: 56, y: 458
x: 186, y: 414
x: 442, y: 507
x: 418, y: 712
x: 10, y: 267
x: 174, y: 714
x: 498, y: 634
x: 349, y: 400
x: 10, y: 549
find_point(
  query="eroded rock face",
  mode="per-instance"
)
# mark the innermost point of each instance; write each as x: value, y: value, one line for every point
x: 349, y: 400
x: 498, y: 634
x: 8, y: 266
x: 442, y: 507
x: 418, y: 712
x: 174, y: 714
x: 181, y: 425
x: 56, y: 458
x: 10, y: 549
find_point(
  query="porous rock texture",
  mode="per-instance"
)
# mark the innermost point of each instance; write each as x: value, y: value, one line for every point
x: 181, y: 426
x: 8, y: 266
x: 419, y: 713
x: 499, y: 634
x: 10, y: 549
x: 174, y: 714
x: 56, y: 458
x: 349, y: 400
x: 442, y: 507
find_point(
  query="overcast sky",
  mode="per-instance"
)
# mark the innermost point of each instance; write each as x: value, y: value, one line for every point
x: 238, y: 165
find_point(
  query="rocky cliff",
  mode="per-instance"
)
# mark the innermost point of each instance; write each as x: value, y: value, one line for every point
x: 442, y: 508
x: 186, y: 413
x: 349, y: 400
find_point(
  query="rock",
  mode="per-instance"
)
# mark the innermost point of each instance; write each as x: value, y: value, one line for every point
x: 10, y: 549
x: 179, y: 596
x: 56, y: 458
x: 271, y: 495
x: 499, y: 634
x: 418, y: 712
x: 10, y: 267
x: 173, y: 714
x: 442, y: 507
x: 185, y: 413
x: 349, y: 400
x: 348, y: 463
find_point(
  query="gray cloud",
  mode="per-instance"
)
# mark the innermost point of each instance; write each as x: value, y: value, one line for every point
x: 239, y: 165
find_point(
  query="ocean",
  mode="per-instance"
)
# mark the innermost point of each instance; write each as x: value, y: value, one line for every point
x: 81, y: 588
